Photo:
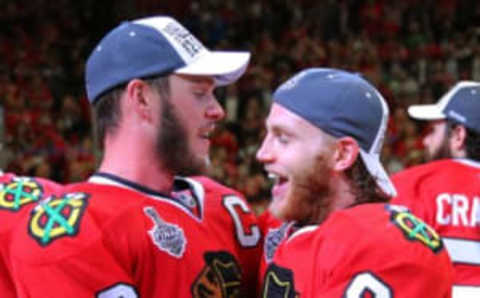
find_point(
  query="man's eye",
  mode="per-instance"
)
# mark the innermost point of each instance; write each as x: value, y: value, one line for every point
x: 283, y: 139
x: 200, y: 94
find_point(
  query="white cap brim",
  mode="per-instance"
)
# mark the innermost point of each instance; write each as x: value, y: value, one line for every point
x: 426, y: 112
x: 225, y: 67
x: 375, y: 168
x: 435, y: 111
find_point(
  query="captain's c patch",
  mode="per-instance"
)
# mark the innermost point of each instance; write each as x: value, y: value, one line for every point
x: 56, y: 217
x: 19, y: 191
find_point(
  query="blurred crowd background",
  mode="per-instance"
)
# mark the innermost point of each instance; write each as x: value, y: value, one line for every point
x: 412, y: 50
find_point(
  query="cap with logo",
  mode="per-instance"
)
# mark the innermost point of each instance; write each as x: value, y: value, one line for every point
x: 341, y: 104
x: 156, y: 46
x: 461, y: 104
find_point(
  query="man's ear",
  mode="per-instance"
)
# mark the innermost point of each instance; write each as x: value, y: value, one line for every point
x: 346, y: 153
x: 457, y: 140
x: 138, y: 99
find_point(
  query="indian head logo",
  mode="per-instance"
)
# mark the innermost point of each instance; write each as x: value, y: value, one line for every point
x: 221, y: 277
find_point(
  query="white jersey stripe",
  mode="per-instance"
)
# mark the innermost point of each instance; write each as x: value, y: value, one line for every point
x: 463, y: 251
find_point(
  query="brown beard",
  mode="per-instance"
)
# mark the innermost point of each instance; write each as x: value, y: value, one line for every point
x: 172, y: 145
x: 309, y: 194
x: 443, y: 151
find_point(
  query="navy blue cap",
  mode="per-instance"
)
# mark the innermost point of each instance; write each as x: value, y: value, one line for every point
x: 460, y: 104
x: 156, y: 46
x: 341, y: 104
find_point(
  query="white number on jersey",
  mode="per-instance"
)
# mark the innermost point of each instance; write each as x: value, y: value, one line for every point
x: 367, y: 282
x: 118, y: 291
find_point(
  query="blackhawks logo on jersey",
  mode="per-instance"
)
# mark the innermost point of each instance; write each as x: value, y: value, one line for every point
x: 220, y: 278
x: 278, y: 283
x: 19, y: 191
x: 415, y: 229
x: 56, y: 217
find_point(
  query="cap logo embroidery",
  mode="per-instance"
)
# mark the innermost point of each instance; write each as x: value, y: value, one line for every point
x: 188, y: 42
x: 457, y: 116
x: 293, y: 81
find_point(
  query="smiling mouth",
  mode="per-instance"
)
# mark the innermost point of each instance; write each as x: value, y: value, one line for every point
x: 277, y: 179
x: 208, y: 132
x: 206, y: 135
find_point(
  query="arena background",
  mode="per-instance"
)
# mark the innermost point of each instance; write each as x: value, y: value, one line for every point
x: 413, y: 51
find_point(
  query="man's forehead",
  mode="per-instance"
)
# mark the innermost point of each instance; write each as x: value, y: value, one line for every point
x: 283, y: 117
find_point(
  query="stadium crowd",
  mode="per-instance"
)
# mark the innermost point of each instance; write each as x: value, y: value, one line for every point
x: 413, y: 51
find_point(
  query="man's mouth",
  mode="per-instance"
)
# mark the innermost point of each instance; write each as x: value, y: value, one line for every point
x: 280, y: 184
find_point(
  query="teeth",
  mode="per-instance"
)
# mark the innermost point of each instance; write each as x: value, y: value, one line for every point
x: 274, y: 177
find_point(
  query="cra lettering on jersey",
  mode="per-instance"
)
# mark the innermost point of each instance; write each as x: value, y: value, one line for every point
x: 415, y: 229
x: 167, y: 237
x: 56, y: 217
x: 220, y: 278
x: 457, y: 210
x: 18, y: 192
x: 278, y: 283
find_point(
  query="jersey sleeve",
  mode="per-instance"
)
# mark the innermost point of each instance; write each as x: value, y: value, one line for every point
x: 18, y: 195
x: 393, y: 280
x: 382, y: 257
x: 367, y: 251
x: 87, y: 274
x: 79, y: 254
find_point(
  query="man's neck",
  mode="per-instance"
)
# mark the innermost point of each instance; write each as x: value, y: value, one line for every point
x: 135, y: 162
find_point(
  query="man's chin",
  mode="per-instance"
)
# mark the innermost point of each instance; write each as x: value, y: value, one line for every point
x: 207, y: 163
x: 278, y: 211
x: 194, y: 167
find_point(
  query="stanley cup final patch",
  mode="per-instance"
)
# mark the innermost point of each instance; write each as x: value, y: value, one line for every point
x: 273, y: 239
x: 167, y: 237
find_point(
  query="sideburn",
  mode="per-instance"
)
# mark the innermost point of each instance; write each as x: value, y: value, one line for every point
x: 444, y: 149
x: 316, y: 192
x: 172, y: 144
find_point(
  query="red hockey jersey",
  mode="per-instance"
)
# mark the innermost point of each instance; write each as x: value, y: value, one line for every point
x: 18, y: 195
x: 112, y: 238
x: 446, y: 194
x: 371, y: 250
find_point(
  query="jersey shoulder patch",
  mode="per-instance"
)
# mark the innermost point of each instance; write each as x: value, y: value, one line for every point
x: 272, y: 240
x: 414, y: 229
x: 18, y: 191
x: 57, y: 217
x: 167, y: 237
